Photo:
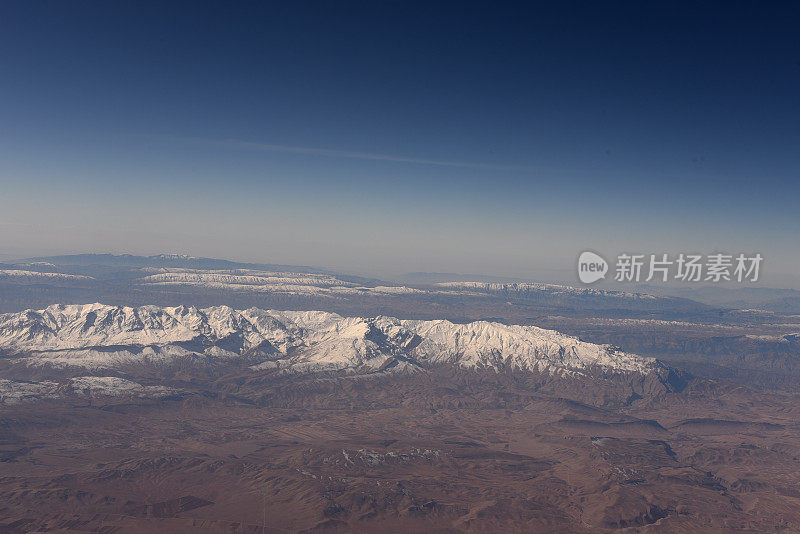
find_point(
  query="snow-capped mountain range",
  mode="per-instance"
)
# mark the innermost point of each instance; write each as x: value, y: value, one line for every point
x: 533, y: 287
x: 36, y: 276
x: 328, y: 285
x: 97, y: 336
x: 138, y: 280
x: 254, y: 281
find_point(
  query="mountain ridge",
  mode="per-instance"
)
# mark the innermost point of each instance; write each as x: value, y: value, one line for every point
x: 98, y: 335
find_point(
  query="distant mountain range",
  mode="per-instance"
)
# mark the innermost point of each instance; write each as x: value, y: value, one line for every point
x: 169, y: 279
x: 178, y: 271
x: 765, y: 298
x: 160, y: 260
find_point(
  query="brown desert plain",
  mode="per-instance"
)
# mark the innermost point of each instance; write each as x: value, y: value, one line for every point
x: 441, y: 451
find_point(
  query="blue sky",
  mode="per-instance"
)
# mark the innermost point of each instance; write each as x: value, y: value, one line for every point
x: 383, y: 138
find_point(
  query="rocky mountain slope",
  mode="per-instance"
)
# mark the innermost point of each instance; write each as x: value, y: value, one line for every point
x: 97, y: 336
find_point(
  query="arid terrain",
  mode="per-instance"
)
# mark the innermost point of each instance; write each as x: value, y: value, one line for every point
x: 440, y: 451
x: 609, y: 412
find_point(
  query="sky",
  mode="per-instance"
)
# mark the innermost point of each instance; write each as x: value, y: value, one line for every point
x: 389, y: 137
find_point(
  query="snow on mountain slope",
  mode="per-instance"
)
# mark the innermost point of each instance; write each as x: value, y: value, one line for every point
x: 112, y: 386
x: 309, y: 284
x: 484, y: 343
x: 17, y: 391
x: 99, y: 336
x: 247, y: 280
x: 242, y: 277
x: 552, y: 289
x: 36, y: 276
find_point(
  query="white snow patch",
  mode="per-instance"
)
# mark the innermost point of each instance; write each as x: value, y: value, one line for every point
x: 97, y: 336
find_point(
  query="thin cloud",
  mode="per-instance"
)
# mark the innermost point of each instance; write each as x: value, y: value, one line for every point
x: 266, y: 147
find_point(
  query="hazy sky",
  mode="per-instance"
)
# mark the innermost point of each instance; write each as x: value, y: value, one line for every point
x: 382, y: 138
